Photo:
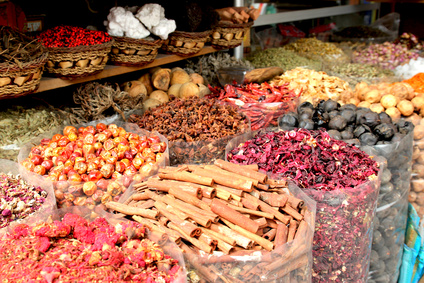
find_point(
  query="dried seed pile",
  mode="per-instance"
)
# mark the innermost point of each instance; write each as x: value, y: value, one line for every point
x: 18, y: 199
x: 75, y: 250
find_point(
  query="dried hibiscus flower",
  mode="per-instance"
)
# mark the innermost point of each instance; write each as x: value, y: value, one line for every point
x: 342, y: 180
x: 75, y: 250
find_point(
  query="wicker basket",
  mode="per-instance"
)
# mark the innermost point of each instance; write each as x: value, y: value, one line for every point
x: 76, y: 62
x: 134, y: 52
x: 229, y: 35
x: 185, y: 43
x: 18, y: 81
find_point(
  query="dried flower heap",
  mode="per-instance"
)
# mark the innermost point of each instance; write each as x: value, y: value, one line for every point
x: 18, y: 199
x: 341, y: 178
x: 75, y: 250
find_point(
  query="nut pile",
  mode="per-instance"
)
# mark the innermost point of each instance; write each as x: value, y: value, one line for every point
x: 397, y: 99
x: 314, y: 85
x: 416, y: 196
x: 18, y: 198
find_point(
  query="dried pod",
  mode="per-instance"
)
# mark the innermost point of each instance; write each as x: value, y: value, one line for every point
x: 197, y: 78
x: 174, y: 90
x: 179, y: 76
x: 159, y: 95
x: 135, y: 89
x: 405, y: 107
x: 189, y: 89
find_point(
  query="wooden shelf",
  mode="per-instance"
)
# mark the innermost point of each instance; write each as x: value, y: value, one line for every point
x: 49, y: 83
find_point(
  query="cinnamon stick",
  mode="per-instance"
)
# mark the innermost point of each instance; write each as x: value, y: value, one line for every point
x: 192, y: 258
x: 241, y: 240
x: 208, y: 192
x: 262, y: 222
x: 235, y: 168
x: 188, y: 227
x: 267, y: 208
x: 274, y: 199
x: 292, y: 212
x: 222, y: 179
x: 295, y: 202
x: 270, y: 235
x: 226, y: 212
x: 188, y: 177
x: 197, y: 243
x: 130, y: 210
x: 158, y: 237
x: 281, y: 235
x: 231, y: 174
x: 140, y: 196
x: 219, y: 236
x: 253, y: 205
x: 147, y: 204
x: 180, y: 194
x: 208, y: 240
x: 209, y: 214
x: 252, y: 212
x: 292, y: 230
x: 268, y: 245
x: 233, y: 191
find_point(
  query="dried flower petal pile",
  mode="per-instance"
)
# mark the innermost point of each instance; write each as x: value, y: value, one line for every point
x: 18, y: 198
x: 75, y: 250
x: 341, y: 178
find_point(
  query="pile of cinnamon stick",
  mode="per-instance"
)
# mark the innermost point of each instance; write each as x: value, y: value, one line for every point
x: 224, y: 210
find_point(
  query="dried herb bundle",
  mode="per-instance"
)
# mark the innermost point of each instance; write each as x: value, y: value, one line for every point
x: 18, y: 48
x: 96, y: 100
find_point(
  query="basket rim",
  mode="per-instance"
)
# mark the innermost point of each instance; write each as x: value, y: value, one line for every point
x: 228, y: 24
x: 81, y: 48
x: 139, y: 41
x: 10, y: 68
x: 195, y: 34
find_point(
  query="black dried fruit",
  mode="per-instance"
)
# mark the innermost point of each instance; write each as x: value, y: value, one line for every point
x: 368, y: 139
x: 330, y: 105
x: 333, y: 114
x: 335, y: 134
x: 305, y: 115
x: 359, y: 130
x: 337, y: 123
x: 349, y: 115
x: 385, y: 118
x: 348, y: 106
x: 289, y: 119
x: 305, y: 105
x: 405, y: 127
x: 346, y: 135
x: 306, y: 124
x: 369, y: 118
x: 385, y: 131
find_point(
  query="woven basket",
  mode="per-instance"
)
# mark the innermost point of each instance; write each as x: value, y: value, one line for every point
x: 134, y: 52
x: 228, y: 35
x: 185, y: 43
x: 76, y: 62
x: 18, y: 81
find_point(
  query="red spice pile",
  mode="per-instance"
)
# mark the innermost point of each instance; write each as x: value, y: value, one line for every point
x: 69, y: 36
x: 312, y: 159
x: 74, y: 250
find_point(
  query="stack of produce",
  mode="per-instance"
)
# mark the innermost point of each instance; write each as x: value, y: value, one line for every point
x: 197, y: 129
x: 162, y: 83
x: 91, y: 165
x: 416, y: 196
x: 397, y: 99
x: 20, y: 124
x: 262, y: 103
x: 386, y: 55
x: 283, y: 58
x: 392, y: 141
x: 316, y: 49
x: 314, y: 85
x: 75, y: 249
x: 340, y: 177
x: 231, y: 221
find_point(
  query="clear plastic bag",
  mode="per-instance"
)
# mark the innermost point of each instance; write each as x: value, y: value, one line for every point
x: 344, y: 218
x: 392, y: 210
x: 49, y: 204
x: 72, y: 193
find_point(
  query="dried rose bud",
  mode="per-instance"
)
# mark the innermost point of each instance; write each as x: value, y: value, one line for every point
x: 89, y: 188
x: 114, y: 189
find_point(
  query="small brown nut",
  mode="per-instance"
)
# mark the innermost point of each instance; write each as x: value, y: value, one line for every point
x: 412, y: 196
x: 419, y: 132
x: 388, y: 100
x: 418, y: 102
x: 89, y: 188
x: 417, y: 185
x: 420, y: 198
x: 377, y: 107
x: 405, y: 107
x: 393, y: 112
